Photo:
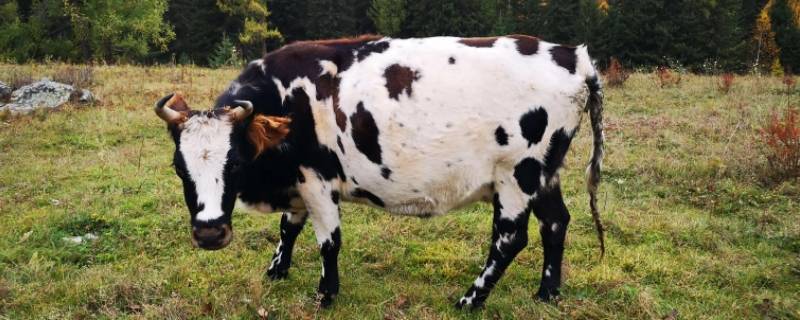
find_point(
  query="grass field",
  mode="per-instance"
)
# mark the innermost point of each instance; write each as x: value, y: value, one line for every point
x: 694, y: 231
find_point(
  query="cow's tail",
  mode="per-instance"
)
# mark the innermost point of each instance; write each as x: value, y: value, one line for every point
x: 594, y: 106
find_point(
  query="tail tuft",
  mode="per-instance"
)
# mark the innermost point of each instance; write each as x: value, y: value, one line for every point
x: 594, y: 105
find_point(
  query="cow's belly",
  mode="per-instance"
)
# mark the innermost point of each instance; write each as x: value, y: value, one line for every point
x: 424, y: 188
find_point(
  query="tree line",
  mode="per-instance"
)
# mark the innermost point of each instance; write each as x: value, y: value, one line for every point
x: 700, y: 35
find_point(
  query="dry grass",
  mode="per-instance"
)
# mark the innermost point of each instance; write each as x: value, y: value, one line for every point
x: 693, y: 233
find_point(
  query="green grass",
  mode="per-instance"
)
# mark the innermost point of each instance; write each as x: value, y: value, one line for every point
x: 693, y: 229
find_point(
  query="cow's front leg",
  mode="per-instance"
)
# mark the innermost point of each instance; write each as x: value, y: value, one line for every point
x: 509, y: 237
x: 553, y: 217
x: 291, y: 225
x: 322, y: 201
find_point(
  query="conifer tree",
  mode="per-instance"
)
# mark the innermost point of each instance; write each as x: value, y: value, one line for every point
x: 388, y: 16
x: 195, y: 34
x: 255, y: 30
x: 286, y: 15
x: 561, y: 21
x: 787, y: 34
x: 446, y: 17
x: 637, y: 33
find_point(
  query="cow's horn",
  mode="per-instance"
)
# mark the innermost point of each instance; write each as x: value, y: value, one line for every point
x: 243, y: 109
x: 165, y: 112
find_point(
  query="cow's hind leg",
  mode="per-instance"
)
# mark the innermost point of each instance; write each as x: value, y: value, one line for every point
x: 553, y: 216
x: 291, y: 225
x: 509, y: 237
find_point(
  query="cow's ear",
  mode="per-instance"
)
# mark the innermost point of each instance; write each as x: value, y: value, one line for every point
x: 266, y: 132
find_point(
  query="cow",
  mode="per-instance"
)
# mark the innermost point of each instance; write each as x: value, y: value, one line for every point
x: 416, y: 127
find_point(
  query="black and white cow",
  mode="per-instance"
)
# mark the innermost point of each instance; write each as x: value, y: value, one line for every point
x: 414, y: 126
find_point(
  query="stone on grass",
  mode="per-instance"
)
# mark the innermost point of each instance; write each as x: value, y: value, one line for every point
x: 80, y: 239
x: 86, y: 96
x: 42, y: 94
x: 5, y: 91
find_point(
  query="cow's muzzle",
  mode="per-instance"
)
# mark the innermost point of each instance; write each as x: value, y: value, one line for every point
x: 212, y: 237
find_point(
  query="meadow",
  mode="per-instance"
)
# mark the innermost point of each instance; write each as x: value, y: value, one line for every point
x: 698, y: 227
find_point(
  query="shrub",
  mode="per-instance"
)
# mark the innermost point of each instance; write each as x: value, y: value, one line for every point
x: 776, y: 69
x: 789, y: 82
x: 666, y: 78
x: 616, y: 75
x: 78, y: 77
x: 17, y: 78
x: 725, y: 82
x: 781, y: 137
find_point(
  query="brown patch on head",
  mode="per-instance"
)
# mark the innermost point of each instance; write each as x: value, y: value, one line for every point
x: 266, y: 132
x: 486, y: 42
x: 399, y: 79
x: 526, y: 45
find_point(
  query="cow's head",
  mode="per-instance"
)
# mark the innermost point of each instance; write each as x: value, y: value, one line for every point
x: 211, y: 148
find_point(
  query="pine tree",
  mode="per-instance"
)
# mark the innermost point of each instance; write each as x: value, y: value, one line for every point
x: 787, y: 34
x: 728, y: 46
x: 224, y: 54
x: 255, y: 31
x: 326, y: 19
x: 562, y: 18
x: 446, y: 17
x: 199, y: 26
x: 531, y: 17
x: 503, y: 13
x: 388, y: 16
x: 638, y: 34
x: 589, y: 24
x: 286, y: 15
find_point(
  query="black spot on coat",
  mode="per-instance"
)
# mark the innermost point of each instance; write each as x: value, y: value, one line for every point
x: 533, y: 124
x: 365, y: 133
x: 565, y: 57
x: 361, y: 193
x: 559, y: 144
x: 527, y: 173
x: 371, y: 47
x: 501, y: 136
x: 339, y: 142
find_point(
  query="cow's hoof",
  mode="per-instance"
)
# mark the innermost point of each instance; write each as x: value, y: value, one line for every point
x: 468, y: 303
x: 277, y: 274
x: 325, y: 300
x: 548, y: 295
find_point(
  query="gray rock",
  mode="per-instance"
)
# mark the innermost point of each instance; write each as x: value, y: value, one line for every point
x: 5, y: 91
x: 42, y: 94
x: 86, y: 96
